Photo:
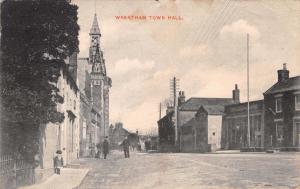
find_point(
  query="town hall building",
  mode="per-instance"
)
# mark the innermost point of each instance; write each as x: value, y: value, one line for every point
x: 94, y: 85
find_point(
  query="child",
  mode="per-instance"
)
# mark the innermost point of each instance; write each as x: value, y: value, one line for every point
x: 58, y: 162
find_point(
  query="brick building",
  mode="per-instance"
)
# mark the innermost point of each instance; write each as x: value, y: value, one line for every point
x: 282, y: 111
x: 200, y: 122
x: 274, y: 121
x: 235, y: 125
x: 94, y: 85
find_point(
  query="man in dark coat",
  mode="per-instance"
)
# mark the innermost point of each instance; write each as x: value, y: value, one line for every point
x: 125, y: 145
x: 105, y: 147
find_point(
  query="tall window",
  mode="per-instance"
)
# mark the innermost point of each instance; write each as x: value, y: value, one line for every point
x: 297, y: 101
x: 279, y: 133
x: 278, y: 102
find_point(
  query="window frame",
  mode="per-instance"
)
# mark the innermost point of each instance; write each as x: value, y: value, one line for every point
x: 277, y: 106
x: 297, y: 107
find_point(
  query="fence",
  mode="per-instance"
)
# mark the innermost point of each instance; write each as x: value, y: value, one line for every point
x: 15, y: 172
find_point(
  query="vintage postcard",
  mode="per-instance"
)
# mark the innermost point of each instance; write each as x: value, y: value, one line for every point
x: 140, y: 94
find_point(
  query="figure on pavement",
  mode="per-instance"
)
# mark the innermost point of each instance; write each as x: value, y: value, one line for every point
x: 98, y: 154
x: 125, y: 145
x: 58, y: 162
x: 105, y: 147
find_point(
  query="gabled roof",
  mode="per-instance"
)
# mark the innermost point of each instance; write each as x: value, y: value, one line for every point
x: 290, y: 84
x: 189, y: 123
x: 211, y: 105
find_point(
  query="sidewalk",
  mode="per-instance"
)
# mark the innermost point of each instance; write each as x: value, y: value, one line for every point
x: 68, y: 179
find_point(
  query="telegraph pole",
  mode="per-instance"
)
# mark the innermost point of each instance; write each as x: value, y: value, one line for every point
x: 174, y: 87
x: 248, y: 104
x: 159, y: 110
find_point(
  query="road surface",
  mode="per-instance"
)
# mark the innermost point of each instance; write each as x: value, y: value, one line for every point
x: 183, y: 170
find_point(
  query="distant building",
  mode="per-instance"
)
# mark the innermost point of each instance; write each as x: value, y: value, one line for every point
x: 235, y: 125
x: 199, y: 121
x: 198, y: 115
x: 282, y: 111
x: 117, y: 135
x: 166, y: 132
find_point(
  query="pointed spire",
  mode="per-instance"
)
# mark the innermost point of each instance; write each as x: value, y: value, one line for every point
x: 95, y: 27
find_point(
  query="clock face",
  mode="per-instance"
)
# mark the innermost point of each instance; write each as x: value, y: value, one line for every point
x: 94, y: 41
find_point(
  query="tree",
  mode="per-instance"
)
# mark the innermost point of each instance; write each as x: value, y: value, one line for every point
x: 37, y: 37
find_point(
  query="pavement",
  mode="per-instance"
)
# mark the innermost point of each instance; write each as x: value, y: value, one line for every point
x: 68, y: 179
x: 193, y: 170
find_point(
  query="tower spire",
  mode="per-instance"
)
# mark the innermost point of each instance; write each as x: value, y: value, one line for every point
x: 95, y: 27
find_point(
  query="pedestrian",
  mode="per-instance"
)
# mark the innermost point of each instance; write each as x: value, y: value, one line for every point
x: 125, y: 145
x: 58, y: 162
x: 98, y: 146
x: 105, y: 147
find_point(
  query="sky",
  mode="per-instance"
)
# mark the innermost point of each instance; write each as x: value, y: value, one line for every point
x: 206, y: 50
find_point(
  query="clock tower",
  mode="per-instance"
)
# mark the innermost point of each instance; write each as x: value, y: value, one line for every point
x: 100, y: 82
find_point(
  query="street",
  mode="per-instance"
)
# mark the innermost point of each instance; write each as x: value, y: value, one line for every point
x: 156, y: 170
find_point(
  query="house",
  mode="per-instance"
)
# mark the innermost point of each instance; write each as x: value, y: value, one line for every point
x: 203, y: 132
x: 61, y: 136
x: 235, y: 125
x: 282, y: 112
x: 200, y: 121
x: 166, y: 133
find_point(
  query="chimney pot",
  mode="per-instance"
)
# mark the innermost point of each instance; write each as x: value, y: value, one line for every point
x: 284, y: 66
x: 283, y: 74
x: 236, y: 94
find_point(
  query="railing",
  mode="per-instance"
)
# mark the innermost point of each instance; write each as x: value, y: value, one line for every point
x: 15, y: 172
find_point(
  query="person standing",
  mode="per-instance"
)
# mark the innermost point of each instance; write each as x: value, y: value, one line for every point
x: 98, y: 146
x: 105, y: 147
x: 58, y: 162
x: 125, y: 145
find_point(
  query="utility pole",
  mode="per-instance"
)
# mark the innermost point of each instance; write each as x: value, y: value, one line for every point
x: 174, y: 87
x: 159, y: 110
x: 248, y: 85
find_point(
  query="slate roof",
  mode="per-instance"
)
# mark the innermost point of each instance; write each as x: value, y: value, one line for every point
x: 214, y: 109
x: 290, y: 84
x: 213, y: 106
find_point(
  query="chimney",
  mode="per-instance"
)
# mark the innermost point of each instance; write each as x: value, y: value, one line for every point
x: 181, y: 98
x: 283, y: 74
x: 236, y: 94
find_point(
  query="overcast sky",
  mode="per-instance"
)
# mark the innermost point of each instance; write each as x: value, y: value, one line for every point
x: 206, y: 50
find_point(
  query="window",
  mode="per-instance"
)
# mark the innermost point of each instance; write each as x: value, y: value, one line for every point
x: 297, y: 102
x: 84, y: 130
x: 278, y: 102
x: 279, y: 132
